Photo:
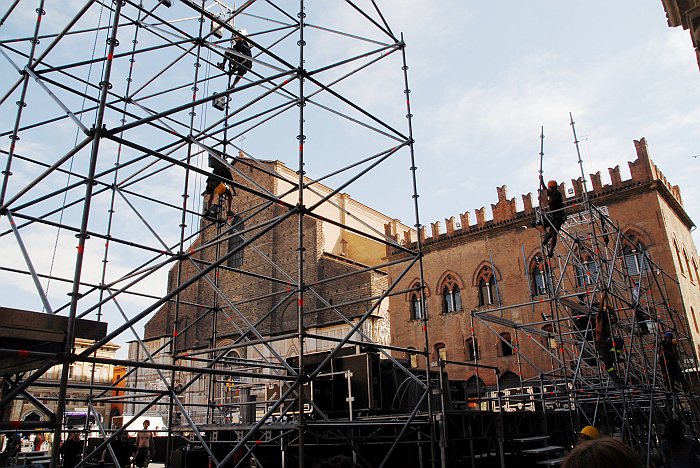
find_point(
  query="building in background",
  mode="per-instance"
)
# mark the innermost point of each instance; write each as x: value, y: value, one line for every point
x: 342, y: 276
x: 81, y: 376
x: 495, y: 269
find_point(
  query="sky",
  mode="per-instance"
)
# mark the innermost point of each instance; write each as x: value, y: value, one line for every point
x: 484, y: 78
x: 487, y: 75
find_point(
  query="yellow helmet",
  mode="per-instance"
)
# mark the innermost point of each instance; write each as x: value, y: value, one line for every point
x: 590, y: 432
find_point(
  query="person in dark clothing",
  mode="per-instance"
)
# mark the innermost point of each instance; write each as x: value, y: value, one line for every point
x: 677, y: 450
x: 72, y: 449
x: 238, y: 57
x: 123, y: 448
x: 556, y: 216
x: 12, y: 447
x: 668, y: 357
x: 609, y: 347
x: 216, y: 187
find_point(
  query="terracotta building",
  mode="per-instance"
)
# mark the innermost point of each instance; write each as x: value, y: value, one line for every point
x: 474, y: 265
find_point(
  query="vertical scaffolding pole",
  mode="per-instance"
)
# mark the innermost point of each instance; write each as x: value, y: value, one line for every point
x: 419, y: 252
x: 301, y: 137
x: 105, y: 85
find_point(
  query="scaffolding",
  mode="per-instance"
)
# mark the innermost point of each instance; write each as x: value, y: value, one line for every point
x: 618, y: 356
x: 112, y: 116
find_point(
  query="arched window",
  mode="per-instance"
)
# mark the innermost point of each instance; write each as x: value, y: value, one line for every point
x: 475, y: 386
x: 235, y: 242
x: 508, y: 380
x: 695, y: 269
x: 587, y: 272
x: 487, y: 287
x: 412, y: 357
x: 505, y: 345
x: 634, y: 253
x: 416, y: 307
x: 451, y: 296
x: 471, y: 345
x: 539, y: 285
x: 227, y: 392
x: 440, y: 352
x: 687, y: 264
x: 678, y: 254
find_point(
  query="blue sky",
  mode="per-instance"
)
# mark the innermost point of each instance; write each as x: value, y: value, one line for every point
x: 486, y: 75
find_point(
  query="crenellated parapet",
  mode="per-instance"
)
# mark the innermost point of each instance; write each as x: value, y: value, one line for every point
x: 642, y: 171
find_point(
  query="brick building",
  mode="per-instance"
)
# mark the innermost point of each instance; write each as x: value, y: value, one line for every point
x: 257, y: 282
x: 471, y: 267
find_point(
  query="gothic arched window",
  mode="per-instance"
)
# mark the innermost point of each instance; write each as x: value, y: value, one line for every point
x: 451, y: 295
x: 487, y: 287
x: 634, y: 253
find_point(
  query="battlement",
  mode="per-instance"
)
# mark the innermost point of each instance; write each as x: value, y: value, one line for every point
x: 642, y: 171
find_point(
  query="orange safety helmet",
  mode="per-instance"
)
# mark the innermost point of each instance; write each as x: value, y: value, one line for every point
x: 590, y: 432
x: 552, y: 183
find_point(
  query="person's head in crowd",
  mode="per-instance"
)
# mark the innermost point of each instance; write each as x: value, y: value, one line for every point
x: 601, y: 452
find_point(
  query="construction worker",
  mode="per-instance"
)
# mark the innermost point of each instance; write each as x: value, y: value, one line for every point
x: 556, y: 216
x: 219, y: 188
x: 238, y: 57
x: 609, y: 348
x: 668, y: 357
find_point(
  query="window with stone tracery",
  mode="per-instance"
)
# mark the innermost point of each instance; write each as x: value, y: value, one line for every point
x: 487, y: 287
x: 451, y: 295
x: 634, y: 253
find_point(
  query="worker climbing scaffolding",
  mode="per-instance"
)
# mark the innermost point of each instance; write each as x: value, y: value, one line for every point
x: 238, y: 58
x: 609, y: 346
x: 553, y: 220
x: 668, y: 359
x: 215, y: 186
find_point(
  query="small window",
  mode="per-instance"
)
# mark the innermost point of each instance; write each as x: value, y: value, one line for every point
x: 550, y: 340
x: 471, y: 345
x: 539, y: 286
x: 416, y: 307
x: 235, y: 242
x: 587, y: 273
x: 412, y: 357
x: 440, y: 351
x: 678, y: 254
x: 687, y: 264
x: 695, y: 320
x: 506, y: 345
